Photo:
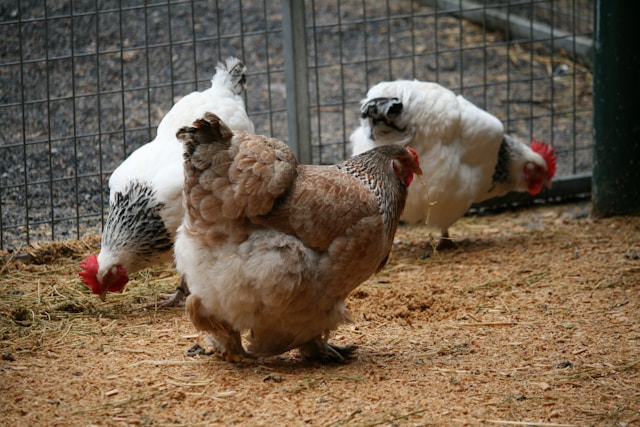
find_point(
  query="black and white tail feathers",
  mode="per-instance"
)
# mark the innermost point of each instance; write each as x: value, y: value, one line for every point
x: 234, y: 71
x: 385, y: 121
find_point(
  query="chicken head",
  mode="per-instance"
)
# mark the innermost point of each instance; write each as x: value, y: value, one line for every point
x: 114, y: 279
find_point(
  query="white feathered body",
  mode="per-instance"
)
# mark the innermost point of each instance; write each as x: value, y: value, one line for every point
x: 147, y: 186
x: 459, y: 146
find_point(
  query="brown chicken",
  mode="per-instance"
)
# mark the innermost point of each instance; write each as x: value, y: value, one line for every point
x: 273, y: 247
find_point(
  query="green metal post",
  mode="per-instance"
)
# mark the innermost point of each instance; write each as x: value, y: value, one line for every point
x: 616, y: 97
x: 296, y: 78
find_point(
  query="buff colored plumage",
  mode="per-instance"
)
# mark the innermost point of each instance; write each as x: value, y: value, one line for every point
x: 273, y: 247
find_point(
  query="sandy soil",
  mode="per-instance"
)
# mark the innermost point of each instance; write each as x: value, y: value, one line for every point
x: 534, y: 320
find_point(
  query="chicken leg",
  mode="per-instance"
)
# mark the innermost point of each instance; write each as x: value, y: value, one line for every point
x: 226, y: 339
x: 446, y: 242
x: 176, y: 299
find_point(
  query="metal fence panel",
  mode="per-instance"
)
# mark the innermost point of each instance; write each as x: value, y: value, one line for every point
x: 86, y: 82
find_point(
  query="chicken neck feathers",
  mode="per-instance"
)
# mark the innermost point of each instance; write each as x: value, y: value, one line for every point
x: 134, y: 223
x: 508, y: 175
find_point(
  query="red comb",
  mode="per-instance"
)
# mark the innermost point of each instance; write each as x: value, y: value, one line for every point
x: 546, y: 151
x: 414, y: 153
x: 89, y: 273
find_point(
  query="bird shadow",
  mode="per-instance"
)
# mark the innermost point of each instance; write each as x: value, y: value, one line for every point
x: 289, y: 362
x: 425, y: 250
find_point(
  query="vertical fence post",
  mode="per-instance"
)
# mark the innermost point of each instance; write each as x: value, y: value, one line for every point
x: 296, y: 78
x: 616, y: 93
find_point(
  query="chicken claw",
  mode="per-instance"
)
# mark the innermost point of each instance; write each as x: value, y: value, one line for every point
x: 176, y: 299
x: 320, y: 350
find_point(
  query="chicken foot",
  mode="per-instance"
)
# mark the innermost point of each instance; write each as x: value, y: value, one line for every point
x: 320, y: 350
x: 446, y: 242
x: 225, y: 338
x: 176, y: 299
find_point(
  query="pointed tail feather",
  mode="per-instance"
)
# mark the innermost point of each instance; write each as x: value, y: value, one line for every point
x: 234, y: 71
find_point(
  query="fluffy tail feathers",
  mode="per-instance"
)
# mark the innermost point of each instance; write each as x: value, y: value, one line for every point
x: 381, y: 111
x: 231, y: 73
x: 239, y: 175
x: 386, y: 122
x: 208, y: 130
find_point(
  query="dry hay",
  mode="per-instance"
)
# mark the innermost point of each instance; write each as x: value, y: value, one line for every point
x: 533, y: 321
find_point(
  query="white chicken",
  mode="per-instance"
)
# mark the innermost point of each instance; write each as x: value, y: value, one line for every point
x: 145, y: 202
x: 465, y: 149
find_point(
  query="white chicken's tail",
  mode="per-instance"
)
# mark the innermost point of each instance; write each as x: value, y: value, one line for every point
x: 231, y: 73
x: 386, y: 121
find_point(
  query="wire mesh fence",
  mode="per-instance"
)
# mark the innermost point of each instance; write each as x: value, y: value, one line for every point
x: 86, y: 82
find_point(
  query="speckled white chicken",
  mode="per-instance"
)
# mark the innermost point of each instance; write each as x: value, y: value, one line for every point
x: 469, y: 156
x: 145, y: 202
x: 274, y: 247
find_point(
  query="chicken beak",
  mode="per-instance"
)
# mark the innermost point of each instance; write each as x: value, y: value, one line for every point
x: 547, y: 183
x: 103, y: 294
x: 418, y: 171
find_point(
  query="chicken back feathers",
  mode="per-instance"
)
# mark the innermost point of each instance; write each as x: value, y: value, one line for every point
x: 275, y: 247
x: 145, y: 203
x: 465, y: 149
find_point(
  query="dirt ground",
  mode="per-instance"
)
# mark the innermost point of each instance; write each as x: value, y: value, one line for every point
x: 534, y: 320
